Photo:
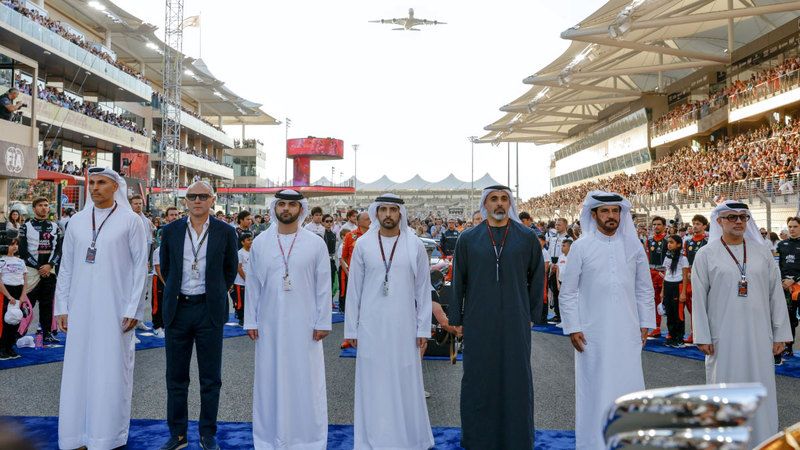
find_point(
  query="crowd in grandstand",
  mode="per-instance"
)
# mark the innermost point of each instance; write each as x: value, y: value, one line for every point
x: 760, y: 155
x: 157, y: 99
x: 91, y: 109
x: 57, y: 27
x: 771, y: 79
x: 53, y: 163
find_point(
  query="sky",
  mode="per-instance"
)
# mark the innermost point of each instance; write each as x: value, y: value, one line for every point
x: 408, y: 99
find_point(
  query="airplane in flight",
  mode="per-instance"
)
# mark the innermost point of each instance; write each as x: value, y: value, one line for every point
x: 408, y: 23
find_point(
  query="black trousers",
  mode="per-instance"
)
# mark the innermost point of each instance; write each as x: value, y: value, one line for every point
x: 342, y: 289
x: 192, y: 326
x: 157, y: 301
x: 238, y: 302
x: 9, y: 334
x: 334, y: 274
x: 43, y: 293
x: 552, y: 284
x: 793, y: 309
x: 671, y: 303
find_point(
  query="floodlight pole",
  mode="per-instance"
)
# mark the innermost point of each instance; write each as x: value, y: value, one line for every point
x: 472, y: 140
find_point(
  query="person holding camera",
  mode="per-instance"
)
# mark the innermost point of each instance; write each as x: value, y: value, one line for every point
x: 7, y: 106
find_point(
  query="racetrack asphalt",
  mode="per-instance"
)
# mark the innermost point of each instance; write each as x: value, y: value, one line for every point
x: 34, y: 390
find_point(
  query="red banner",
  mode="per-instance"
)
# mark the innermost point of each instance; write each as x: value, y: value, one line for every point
x: 315, y: 148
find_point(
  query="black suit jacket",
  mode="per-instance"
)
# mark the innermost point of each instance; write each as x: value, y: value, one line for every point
x: 222, y: 262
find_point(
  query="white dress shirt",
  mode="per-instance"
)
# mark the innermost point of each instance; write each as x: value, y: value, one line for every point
x: 191, y: 285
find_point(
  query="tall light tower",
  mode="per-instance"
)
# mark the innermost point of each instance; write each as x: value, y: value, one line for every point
x: 355, y: 173
x: 169, y: 147
x: 472, y: 140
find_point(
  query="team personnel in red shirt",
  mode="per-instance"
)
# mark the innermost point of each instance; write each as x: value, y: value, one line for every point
x: 656, y: 248
x: 690, y: 247
x: 362, y: 220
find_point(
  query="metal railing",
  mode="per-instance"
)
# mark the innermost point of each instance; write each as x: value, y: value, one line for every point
x: 772, y: 188
x: 82, y: 57
x: 676, y: 123
x: 764, y: 90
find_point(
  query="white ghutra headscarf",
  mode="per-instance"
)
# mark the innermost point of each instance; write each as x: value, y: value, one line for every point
x: 512, y: 212
x: 751, y: 232
x: 120, y: 196
x: 289, y: 195
x: 412, y: 242
x: 626, y: 230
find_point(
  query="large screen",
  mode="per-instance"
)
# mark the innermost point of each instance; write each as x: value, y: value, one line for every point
x: 315, y: 148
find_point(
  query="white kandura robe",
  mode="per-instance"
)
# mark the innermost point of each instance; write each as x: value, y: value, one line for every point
x: 390, y: 408
x: 742, y: 329
x: 97, y: 377
x: 608, y: 298
x: 290, y: 409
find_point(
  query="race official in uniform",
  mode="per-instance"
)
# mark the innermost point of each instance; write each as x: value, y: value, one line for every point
x: 691, y: 245
x: 789, y: 263
x: 656, y: 249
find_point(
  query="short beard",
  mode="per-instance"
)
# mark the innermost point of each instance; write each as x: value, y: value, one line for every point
x: 388, y: 227
x: 498, y: 216
x: 608, y: 229
x: 290, y: 220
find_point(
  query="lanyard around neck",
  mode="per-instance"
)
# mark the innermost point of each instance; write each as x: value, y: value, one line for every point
x: 497, y: 254
x: 284, y: 255
x: 96, y: 232
x: 743, y: 266
x: 387, y: 266
x: 196, y: 251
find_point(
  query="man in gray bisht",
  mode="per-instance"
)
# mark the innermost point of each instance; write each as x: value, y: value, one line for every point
x: 739, y: 315
x: 498, y: 285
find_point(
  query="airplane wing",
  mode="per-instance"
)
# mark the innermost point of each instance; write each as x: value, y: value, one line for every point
x: 430, y: 22
x: 390, y: 21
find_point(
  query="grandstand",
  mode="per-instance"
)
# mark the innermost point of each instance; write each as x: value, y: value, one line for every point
x: 676, y: 104
x: 91, y: 74
x: 447, y: 197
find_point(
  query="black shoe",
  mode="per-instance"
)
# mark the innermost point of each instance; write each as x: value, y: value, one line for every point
x: 12, y: 354
x: 175, y: 443
x: 4, y: 355
x: 788, y: 353
x: 50, y: 339
x: 208, y: 443
x: 670, y: 343
x: 556, y: 319
x: 778, y: 360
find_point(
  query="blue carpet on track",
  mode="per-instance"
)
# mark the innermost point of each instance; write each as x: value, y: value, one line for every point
x: 151, y: 433
x: 55, y: 353
x: 789, y: 368
x: 351, y: 353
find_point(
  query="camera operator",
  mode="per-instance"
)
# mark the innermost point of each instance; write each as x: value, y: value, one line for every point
x: 7, y: 105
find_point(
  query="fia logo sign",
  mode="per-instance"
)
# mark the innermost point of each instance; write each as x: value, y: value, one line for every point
x: 15, y: 160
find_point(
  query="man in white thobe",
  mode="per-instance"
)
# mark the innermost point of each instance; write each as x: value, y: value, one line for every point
x: 607, y: 308
x: 137, y: 204
x: 389, y: 320
x: 98, y: 302
x: 739, y: 314
x: 288, y: 313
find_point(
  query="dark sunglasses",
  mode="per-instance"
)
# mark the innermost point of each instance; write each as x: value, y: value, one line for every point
x: 96, y: 169
x: 328, y: 221
x: 733, y: 217
x: 202, y: 197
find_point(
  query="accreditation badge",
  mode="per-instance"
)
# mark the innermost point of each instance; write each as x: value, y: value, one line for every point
x: 91, y: 253
x: 742, y: 288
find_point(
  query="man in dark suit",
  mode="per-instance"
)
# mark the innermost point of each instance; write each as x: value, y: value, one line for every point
x: 198, y: 262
